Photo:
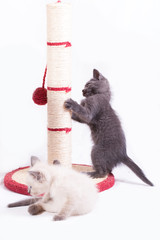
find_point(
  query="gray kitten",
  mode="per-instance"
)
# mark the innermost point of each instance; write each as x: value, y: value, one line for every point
x: 109, y: 147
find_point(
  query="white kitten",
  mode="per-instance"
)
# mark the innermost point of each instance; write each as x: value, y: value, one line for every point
x: 66, y: 191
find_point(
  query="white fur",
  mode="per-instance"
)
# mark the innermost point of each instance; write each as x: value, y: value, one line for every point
x: 66, y: 191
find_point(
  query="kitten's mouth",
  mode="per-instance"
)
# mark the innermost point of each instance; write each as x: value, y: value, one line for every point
x: 85, y: 93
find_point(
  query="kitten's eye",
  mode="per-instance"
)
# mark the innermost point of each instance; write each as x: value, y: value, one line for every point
x: 87, y: 85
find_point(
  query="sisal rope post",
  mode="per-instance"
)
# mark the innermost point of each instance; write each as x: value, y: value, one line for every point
x: 59, y: 81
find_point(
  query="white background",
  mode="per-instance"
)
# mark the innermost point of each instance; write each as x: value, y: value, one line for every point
x: 121, y: 38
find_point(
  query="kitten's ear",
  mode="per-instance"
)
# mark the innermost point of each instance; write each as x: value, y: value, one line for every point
x: 37, y: 175
x: 97, y: 75
x: 56, y: 162
x: 34, y: 160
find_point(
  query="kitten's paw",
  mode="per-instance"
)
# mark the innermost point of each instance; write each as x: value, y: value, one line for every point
x: 58, y: 218
x: 35, y: 209
x: 68, y: 104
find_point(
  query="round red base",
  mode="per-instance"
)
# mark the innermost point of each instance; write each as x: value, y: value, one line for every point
x: 14, y: 185
x: 13, y: 182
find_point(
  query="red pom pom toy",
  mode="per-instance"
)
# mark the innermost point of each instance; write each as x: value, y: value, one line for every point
x: 40, y: 94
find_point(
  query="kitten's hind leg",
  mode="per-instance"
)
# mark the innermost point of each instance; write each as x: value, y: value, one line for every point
x: 98, y: 157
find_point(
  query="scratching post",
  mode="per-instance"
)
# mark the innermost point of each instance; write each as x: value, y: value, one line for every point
x: 59, y: 81
x: 58, y: 90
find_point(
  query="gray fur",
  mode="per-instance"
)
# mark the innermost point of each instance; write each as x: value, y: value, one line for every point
x: 109, y: 147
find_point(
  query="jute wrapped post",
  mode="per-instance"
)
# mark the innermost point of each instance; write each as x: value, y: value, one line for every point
x: 59, y: 81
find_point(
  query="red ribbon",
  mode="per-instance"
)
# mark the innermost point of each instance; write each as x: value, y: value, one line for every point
x: 67, y: 44
x: 66, y: 89
x: 67, y: 130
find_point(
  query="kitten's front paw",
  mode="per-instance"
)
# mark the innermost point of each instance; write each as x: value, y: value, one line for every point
x: 68, y: 104
x: 35, y: 209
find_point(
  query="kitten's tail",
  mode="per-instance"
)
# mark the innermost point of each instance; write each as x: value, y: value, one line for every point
x: 25, y: 202
x: 129, y: 163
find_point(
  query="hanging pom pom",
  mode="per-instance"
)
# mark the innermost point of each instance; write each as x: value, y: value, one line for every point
x: 40, y: 94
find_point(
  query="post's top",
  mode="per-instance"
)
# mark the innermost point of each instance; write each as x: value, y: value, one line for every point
x: 58, y: 4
